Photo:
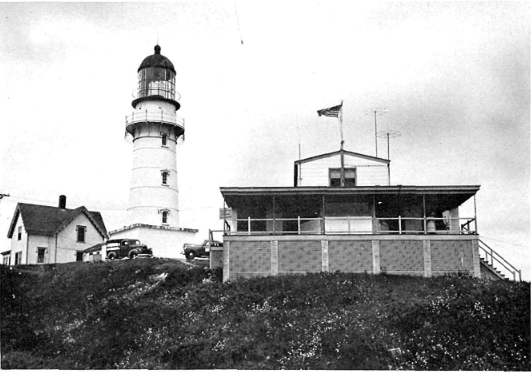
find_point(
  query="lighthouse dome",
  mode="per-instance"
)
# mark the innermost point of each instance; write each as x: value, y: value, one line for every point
x: 157, y: 60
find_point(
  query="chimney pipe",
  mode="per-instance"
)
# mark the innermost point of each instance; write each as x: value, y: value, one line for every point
x: 62, y: 202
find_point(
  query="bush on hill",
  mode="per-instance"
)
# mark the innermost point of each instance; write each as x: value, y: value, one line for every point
x: 120, y: 315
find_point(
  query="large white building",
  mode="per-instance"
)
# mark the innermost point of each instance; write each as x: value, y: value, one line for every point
x: 153, y: 211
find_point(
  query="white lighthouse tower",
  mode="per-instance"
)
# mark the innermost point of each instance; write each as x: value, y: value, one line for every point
x: 153, y: 211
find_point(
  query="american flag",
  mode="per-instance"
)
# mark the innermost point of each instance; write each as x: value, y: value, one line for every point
x: 331, y: 111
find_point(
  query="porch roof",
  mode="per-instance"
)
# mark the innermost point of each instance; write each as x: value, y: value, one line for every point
x: 452, y: 195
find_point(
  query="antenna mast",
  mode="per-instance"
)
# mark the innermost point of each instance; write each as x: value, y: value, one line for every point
x: 375, y: 112
x: 238, y: 21
x: 389, y: 134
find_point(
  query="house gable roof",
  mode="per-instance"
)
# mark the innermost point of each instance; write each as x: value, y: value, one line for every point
x: 47, y: 221
x: 349, y: 153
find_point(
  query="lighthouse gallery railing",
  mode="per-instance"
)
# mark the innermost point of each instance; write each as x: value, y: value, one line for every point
x: 157, y: 116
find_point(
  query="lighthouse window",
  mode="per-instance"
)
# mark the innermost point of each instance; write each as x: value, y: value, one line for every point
x: 164, y: 178
x: 164, y: 139
x: 156, y: 81
x: 164, y: 217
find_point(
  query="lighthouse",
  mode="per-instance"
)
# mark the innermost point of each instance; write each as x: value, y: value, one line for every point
x: 155, y: 128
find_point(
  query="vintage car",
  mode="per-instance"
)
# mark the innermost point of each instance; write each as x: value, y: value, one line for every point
x: 199, y: 250
x: 127, y: 248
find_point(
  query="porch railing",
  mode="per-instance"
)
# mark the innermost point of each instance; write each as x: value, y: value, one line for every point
x: 352, y: 225
x: 495, y: 260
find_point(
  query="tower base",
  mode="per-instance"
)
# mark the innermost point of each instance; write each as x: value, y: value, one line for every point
x: 165, y: 241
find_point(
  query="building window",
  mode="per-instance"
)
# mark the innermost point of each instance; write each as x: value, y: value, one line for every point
x: 165, y: 178
x: 81, y: 230
x: 164, y: 139
x: 335, y: 177
x: 40, y: 255
x: 79, y: 256
x: 165, y: 217
x: 5, y: 260
x: 19, y: 234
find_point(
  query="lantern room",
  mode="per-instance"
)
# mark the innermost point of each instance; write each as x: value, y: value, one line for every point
x: 156, y: 79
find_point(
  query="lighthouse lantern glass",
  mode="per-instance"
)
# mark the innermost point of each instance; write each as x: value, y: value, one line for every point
x: 156, y: 81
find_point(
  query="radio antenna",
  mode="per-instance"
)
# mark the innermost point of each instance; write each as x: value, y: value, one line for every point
x: 238, y: 21
x: 378, y: 111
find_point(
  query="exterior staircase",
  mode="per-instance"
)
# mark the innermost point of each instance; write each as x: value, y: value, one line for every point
x: 488, y: 258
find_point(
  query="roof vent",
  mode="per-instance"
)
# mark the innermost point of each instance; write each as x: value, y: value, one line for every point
x: 62, y: 202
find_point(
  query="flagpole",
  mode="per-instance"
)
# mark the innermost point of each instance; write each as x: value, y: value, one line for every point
x: 342, y: 181
x: 341, y: 123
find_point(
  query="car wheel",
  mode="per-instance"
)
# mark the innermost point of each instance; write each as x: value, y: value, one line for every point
x: 111, y: 256
x: 190, y: 255
x: 133, y: 255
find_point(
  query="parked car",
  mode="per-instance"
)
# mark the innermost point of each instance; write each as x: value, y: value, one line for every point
x: 199, y: 250
x: 130, y: 248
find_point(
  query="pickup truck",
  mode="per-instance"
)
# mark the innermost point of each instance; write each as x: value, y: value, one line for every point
x: 199, y: 250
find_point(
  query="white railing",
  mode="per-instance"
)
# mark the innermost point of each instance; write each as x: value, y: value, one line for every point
x: 353, y: 225
x: 157, y: 116
x: 495, y: 260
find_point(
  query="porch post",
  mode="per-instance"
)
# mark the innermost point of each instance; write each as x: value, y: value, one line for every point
x: 226, y: 261
x: 424, y: 211
x: 274, y: 257
x: 426, y: 245
x: 475, y: 215
x: 323, y: 222
x: 376, y: 257
x: 224, y: 218
x: 274, y: 222
x: 374, y: 222
x: 324, y: 256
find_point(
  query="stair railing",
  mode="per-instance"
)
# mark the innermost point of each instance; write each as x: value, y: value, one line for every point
x: 491, y: 257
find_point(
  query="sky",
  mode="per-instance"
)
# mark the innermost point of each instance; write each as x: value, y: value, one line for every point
x: 452, y: 76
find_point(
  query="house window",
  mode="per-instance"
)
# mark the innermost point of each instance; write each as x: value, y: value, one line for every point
x: 165, y: 217
x: 165, y: 178
x: 5, y: 260
x: 19, y: 233
x: 164, y: 139
x: 40, y: 255
x: 81, y: 230
x: 335, y: 177
x: 79, y: 256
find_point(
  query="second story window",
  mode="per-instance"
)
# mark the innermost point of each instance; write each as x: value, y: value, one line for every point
x: 165, y: 178
x: 335, y: 177
x: 19, y: 233
x: 81, y: 230
x: 164, y: 140
x: 165, y: 217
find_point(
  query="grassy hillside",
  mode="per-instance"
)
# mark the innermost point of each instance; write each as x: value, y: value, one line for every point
x: 123, y: 315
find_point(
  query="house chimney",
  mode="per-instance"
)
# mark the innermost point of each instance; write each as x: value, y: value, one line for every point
x: 62, y: 202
